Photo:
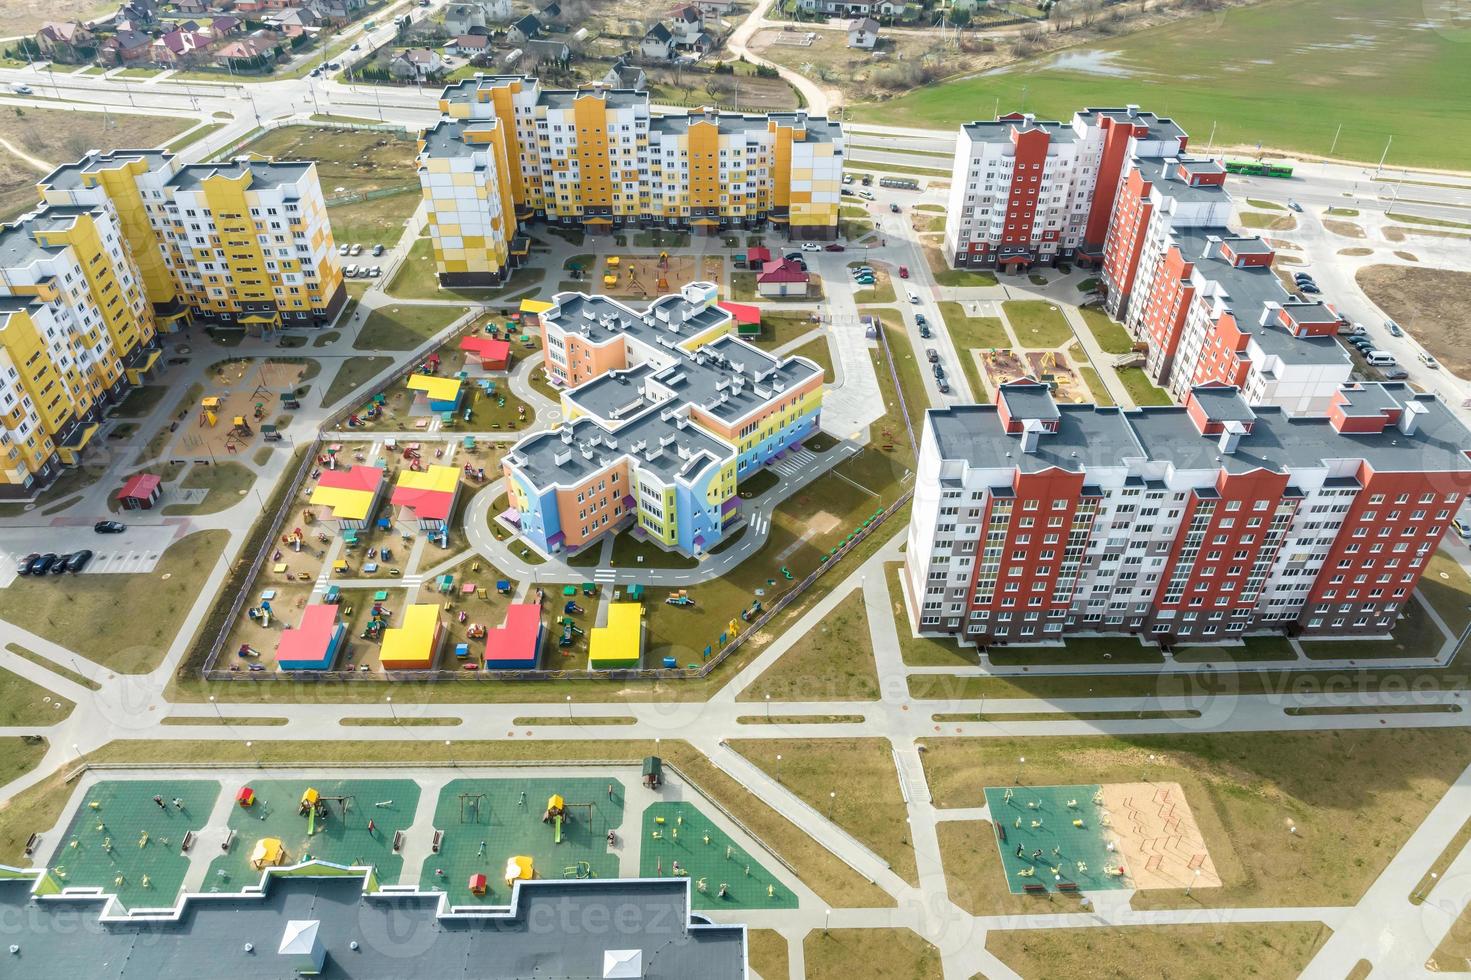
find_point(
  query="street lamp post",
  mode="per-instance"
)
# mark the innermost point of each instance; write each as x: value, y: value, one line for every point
x: 569, y: 707
x: 217, y: 707
x: 778, y: 767
x: 1019, y: 764
x: 827, y: 915
x: 1192, y: 882
x: 392, y: 713
x: 449, y: 754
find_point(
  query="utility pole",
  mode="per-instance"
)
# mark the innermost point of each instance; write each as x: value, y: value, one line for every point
x: 1336, y: 133
x: 1383, y: 156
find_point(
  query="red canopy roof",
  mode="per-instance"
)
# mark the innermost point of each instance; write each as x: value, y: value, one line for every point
x: 743, y: 312
x: 139, y: 487
x: 783, y: 270
x: 486, y: 348
x: 758, y: 253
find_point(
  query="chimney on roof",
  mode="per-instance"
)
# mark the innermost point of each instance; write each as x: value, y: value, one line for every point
x: 1270, y: 310
x: 1409, y: 418
x: 1231, y: 433
x: 1028, y: 118
x: 1031, y: 435
x: 1212, y: 247
x: 1132, y: 110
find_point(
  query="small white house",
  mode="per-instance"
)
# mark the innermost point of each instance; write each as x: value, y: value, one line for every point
x: 416, y: 64
x: 461, y: 18
x: 863, y: 32
x: 657, y: 44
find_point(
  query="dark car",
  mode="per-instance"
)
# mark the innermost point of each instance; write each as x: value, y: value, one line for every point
x: 109, y: 527
x: 924, y: 331
x: 894, y: 208
x: 1393, y: 328
x: 920, y: 321
x: 939, y: 371
x: 43, y: 564
x: 58, y: 567
x: 932, y: 354
x: 1309, y: 287
x: 835, y: 247
x: 23, y: 567
x: 943, y: 385
x: 78, y: 560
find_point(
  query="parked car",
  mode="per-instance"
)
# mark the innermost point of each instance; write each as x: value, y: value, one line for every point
x: 43, y: 564
x: 357, y: 249
x: 866, y: 195
x: 1293, y: 205
x: 1395, y: 374
x: 904, y: 272
x: 1352, y: 330
x: 835, y: 247
x: 58, y: 567
x: 78, y: 560
x: 316, y: 72
x: 1461, y: 529
x: 932, y: 354
x: 811, y: 247
x: 109, y: 527
x: 23, y: 567
x: 894, y: 208
x: 377, y: 249
x: 1302, y: 277
x: 943, y: 385
x: 376, y: 271
x: 1393, y: 328
x: 1309, y: 287
x: 847, y: 178
x: 1428, y: 361
x: 350, y: 272
x: 343, y: 248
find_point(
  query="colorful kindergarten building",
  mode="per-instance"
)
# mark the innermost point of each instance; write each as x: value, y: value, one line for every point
x: 1201, y: 523
x: 665, y: 413
x: 1116, y: 189
x: 509, y: 150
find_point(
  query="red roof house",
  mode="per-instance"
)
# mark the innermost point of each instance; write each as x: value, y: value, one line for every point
x: 140, y: 492
x: 783, y: 277
x: 494, y: 355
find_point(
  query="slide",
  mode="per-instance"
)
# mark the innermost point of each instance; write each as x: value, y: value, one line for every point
x: 557, y: 825
x: 311, y: 821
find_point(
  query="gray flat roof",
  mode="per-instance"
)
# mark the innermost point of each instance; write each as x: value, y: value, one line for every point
x: 18, y: 246
x: 1276, y: 340
x: 1029, y: 402
x: 69, y: 176
x: 1223, y: 403
x: 1159, y: 126
x: 556, y: 929
x: 1278, y: 442
x: 999, y: 130
x: 1160, y: 172
x: 446, y: 138
x: 263, y: 173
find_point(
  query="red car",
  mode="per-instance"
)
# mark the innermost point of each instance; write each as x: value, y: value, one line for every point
x: 904, y: 272
x: 835, y: 247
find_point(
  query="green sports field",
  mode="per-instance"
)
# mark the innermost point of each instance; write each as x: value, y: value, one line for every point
x: 1284, y: 74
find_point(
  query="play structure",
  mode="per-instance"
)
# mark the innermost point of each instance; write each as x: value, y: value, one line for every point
x: 620, y: 643
x: 519, y: 868
x: 314, y: 806
x: 556, y: 814
x: 268, y: 852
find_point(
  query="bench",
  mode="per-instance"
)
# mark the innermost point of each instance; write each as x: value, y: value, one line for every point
x: 398, y: 841
x: 1035, y: 889
x: 437, y: 842
x: 31, y: 843
x: 189, y: 838
x: 1001, y: 833
x: 1067, y: 886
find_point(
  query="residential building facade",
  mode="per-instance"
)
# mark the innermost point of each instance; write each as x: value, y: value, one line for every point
x: 599, y: 156
x: 1193, y: 524
x: 666, y: 413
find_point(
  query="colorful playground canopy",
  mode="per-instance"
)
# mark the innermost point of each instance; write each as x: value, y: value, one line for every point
x: 494, y: 355
x: 437, y: 389
x: 268, y: 853
x: 429, y: 493
x: 516, y: 643
x: 412, y: 646
x: 349, y: 493
x: 620, y: 643
x: 314, y: 644
x: 518, y: 868
x: 535, y: 306
x: 742, y: 312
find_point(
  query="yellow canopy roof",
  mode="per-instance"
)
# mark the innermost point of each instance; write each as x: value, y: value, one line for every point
x: 620, y: 640
x: 518, y: 868
x: 556, y: 803
x: 352, y: 505
x: 535, y: 306
x: 411, y: 646
x: 268, y: 851
x: 438, y: 389
x: 442, y: 479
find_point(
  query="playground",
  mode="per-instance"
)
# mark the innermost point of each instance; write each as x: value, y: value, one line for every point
x: 134, y: 838
x: 239, y: 406
x: 488, y: 832
x: 680, y: 841
x: 287, y: 821
x: 645, y: 276
x: 1095, y: 838
x: 1050, y: 367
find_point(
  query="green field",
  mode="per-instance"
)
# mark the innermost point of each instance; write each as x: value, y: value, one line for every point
x: 1379, y: 67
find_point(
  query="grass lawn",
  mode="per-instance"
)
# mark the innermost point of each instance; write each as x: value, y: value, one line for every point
x: 922, y: 651
x: 767, y: 952
x: 1244, y: 64
x: 818, y: 350
x: 1268, y: 222
x: 124, y: 622
x: 946, y: 276
x: 851, y: 781
x: 1081, y: 651
x: 973, y: 333
x: 348, y: 161
x: 1262, y: 205
x: 417, y: 278
x: 1140, y: 388
x: 1112, y: 337
x: 40, y: 806
x: 404, y: 326
x: 628, y: 551
x: 974, y: 877
x: 1354, y: 797
x: 140, y: 401
x: 1095, y: 385
x: 1415, y: 635
x: 1266, y: 949
x: 225, y: 483
x: 1038, y: 324
x: 882, y: 290
x: 832, y: 662
x: 352, y: 372
x: 779, y: 329
x: 23, y: 702
x: 743, y: 287
x: 193, y: 136
x: 842, y: 954
x: 377, y: 222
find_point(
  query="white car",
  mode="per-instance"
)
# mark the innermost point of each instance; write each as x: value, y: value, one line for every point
x: 20, y: 89
x: 811, y: 247
x: 356, y: 250
x: 351, y: 272
x: 343, y: 249
x: 376, y: 271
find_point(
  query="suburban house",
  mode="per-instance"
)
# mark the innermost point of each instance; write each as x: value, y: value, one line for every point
x: 298, y: 20
x: 253, y: 46
x: 66, y: 41
x: 852, y: 8
x: 523, y: 30
x: 416, y: 64
x: 715, y: 8
x: 657, y: 44
x: 863, y: 32
x: 686, y: 23
x: 193, y: 6
x: 138, y: 11
x: 462, y: 18
x: 126, y: 47
x: 543, y: 52
x: 782, y: 277
x: 469, y: 45
x: 625, y: 75
x: 550, y: 12
x: 180, y: 47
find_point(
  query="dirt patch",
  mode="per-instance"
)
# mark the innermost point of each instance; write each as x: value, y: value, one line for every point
x: 823, y: 523
x: 1355, y: 252
x: 1158, y: 837
x: 1407, y: 256
x: 1428, y: 303
x: 1346, y: 229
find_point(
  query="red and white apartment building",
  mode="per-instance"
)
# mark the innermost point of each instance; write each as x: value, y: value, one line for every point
x: 1187, y: 524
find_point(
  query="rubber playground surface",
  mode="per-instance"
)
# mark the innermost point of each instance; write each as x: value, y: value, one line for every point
x: 340, y: 838
x: 1048, y: 835
x: 123, y: 842
x: 709, y: 859
x: 488, y: 821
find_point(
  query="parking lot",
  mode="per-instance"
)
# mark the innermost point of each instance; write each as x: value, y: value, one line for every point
x: 135, y: 550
